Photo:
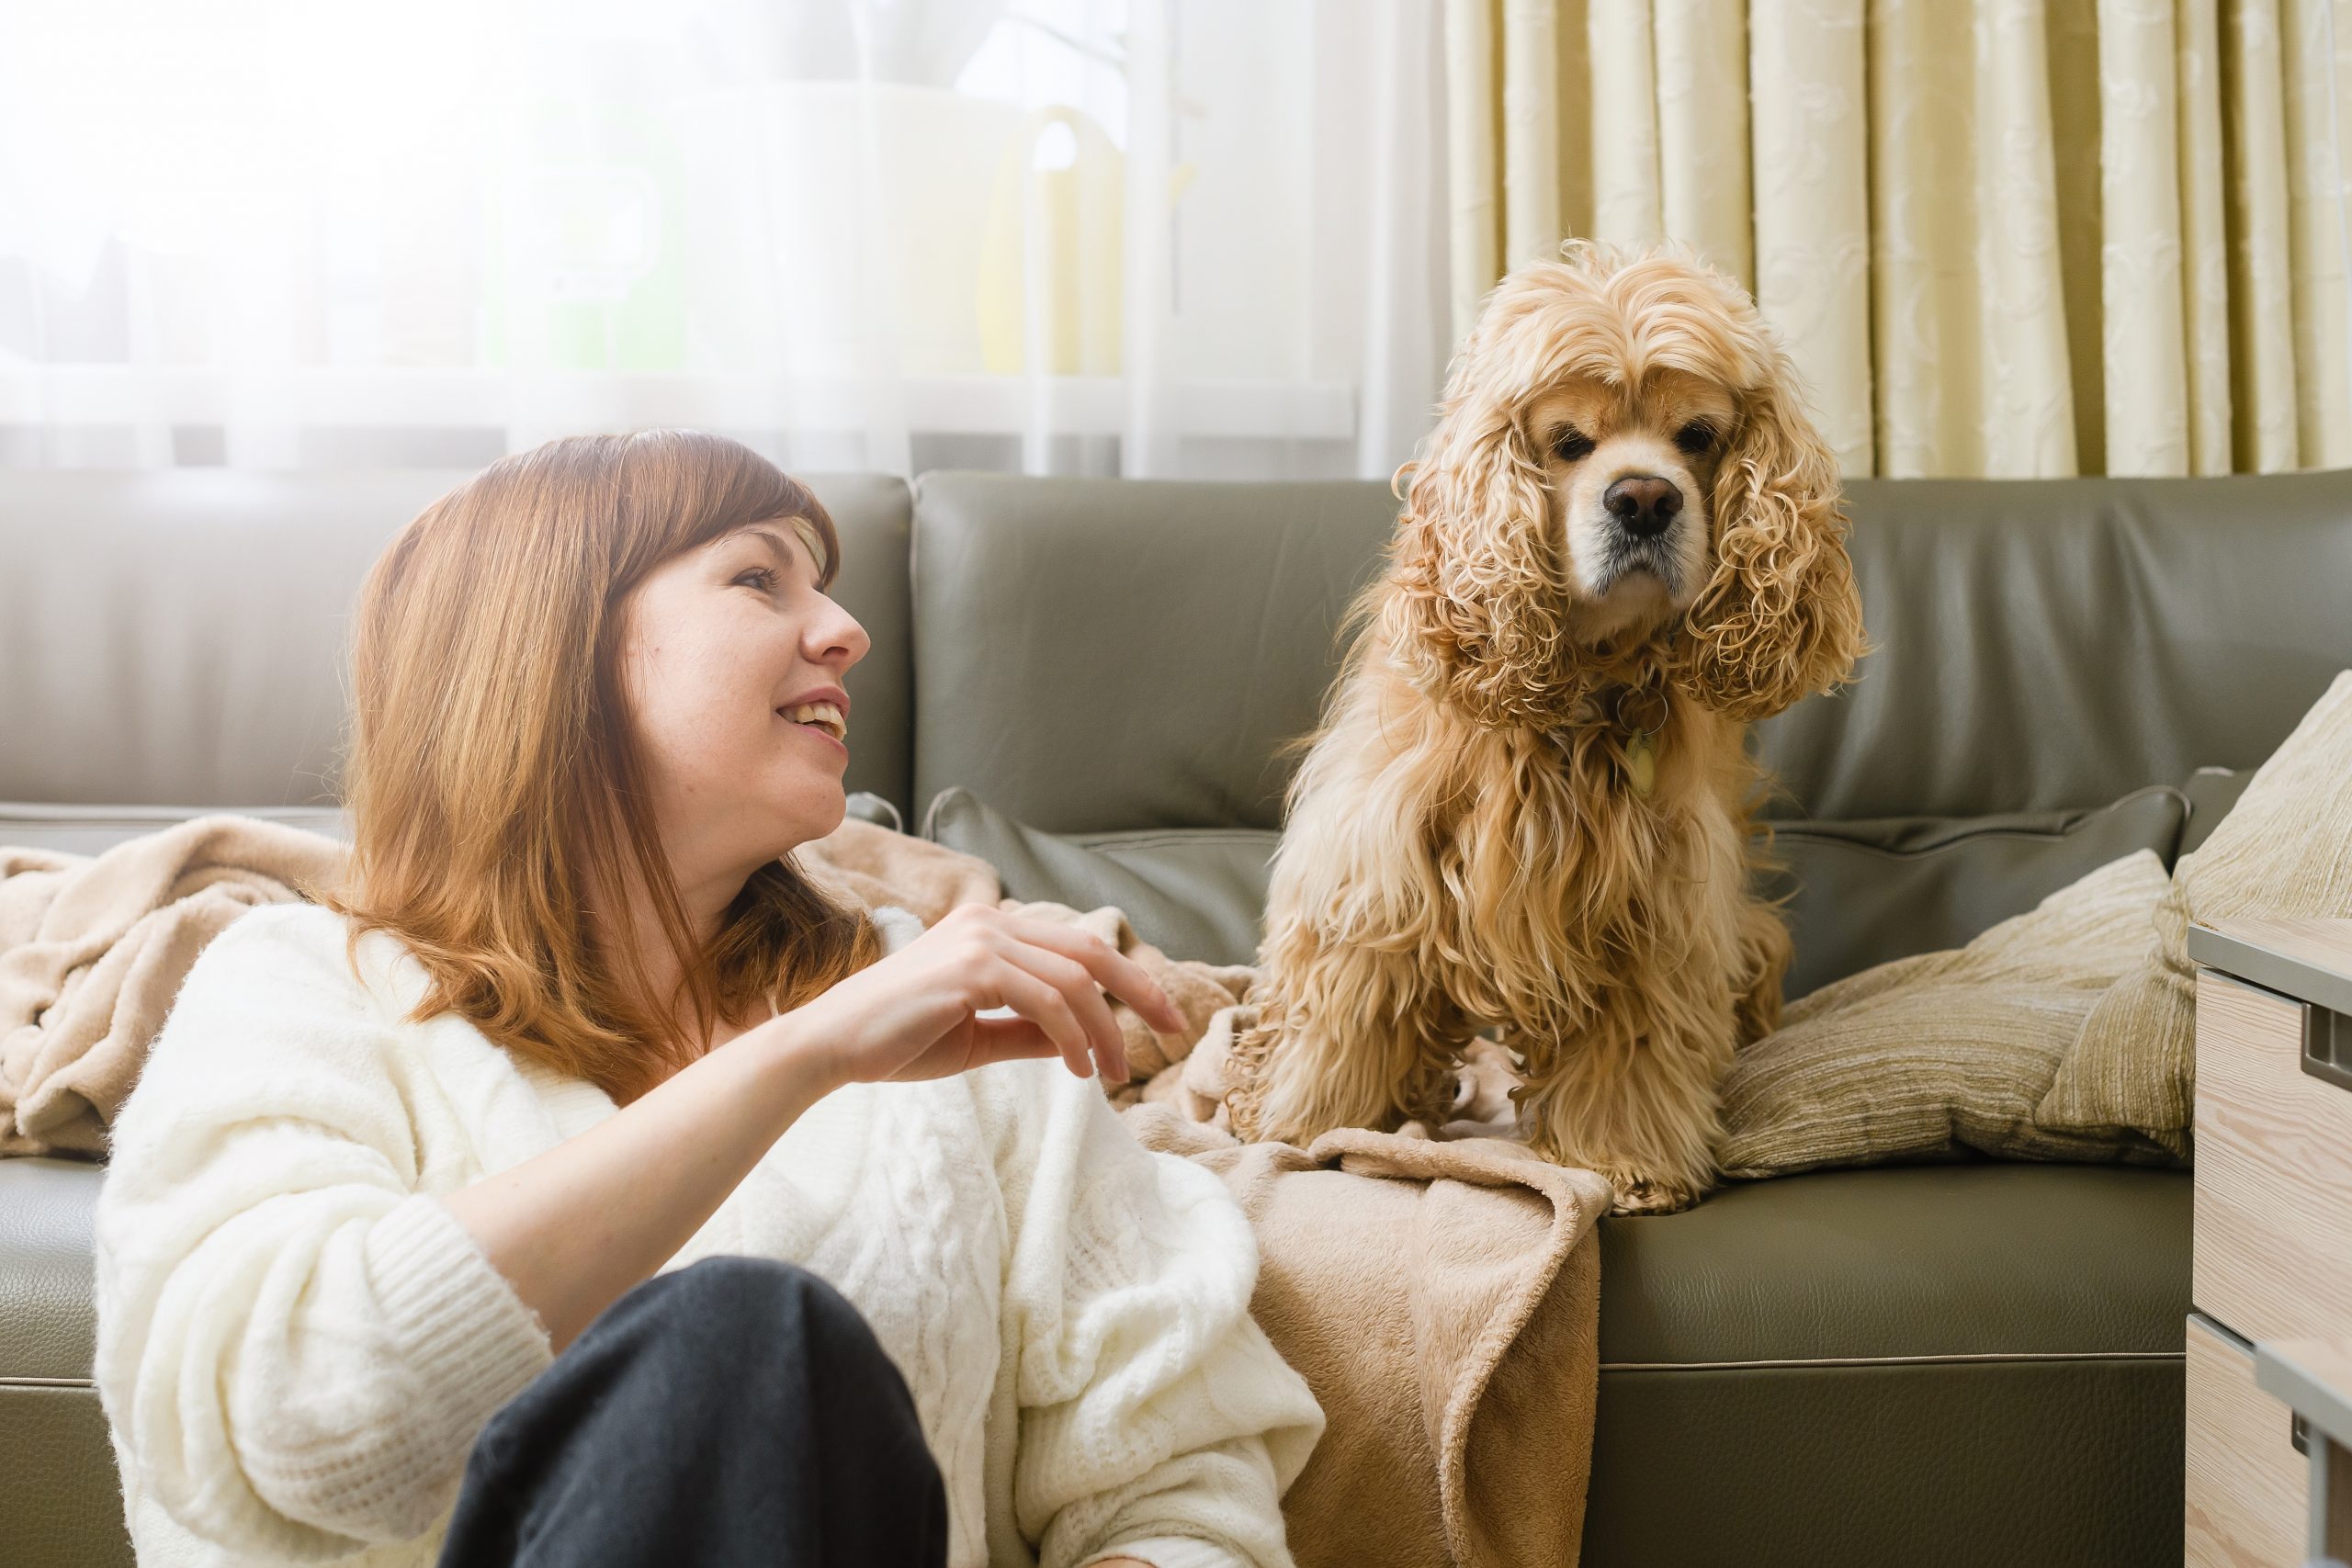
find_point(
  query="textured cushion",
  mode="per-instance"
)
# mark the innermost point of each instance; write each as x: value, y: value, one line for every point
x: 1869, y: 892
x: 2285, y: 849
x: 1192, y: 894
x: 1918, y: 1058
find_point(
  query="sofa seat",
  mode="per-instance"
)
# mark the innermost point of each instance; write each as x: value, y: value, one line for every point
x: 1891, y: 1365
x: 64, y: 1510
x: 1797, y: 1351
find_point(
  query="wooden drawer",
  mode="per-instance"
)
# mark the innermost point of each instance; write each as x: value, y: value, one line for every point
x: 2272, y: 1248
x: 2247, y: 1485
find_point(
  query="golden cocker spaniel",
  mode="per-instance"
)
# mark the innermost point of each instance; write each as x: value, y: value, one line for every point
x: 1527, y: 804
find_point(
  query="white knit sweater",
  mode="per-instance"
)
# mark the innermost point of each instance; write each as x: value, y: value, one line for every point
x: 297, y: 1343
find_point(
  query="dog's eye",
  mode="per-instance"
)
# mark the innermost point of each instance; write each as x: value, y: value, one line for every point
x: 1695, y: 437
x: 1572, y: 444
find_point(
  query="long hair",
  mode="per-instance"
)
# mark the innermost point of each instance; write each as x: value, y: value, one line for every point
x: 495, y: 790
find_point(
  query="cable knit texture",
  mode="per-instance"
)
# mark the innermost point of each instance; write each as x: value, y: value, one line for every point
x: 297, y: 1342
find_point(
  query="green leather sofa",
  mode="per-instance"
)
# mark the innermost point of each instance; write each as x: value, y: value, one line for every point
x: 1961, y: 1363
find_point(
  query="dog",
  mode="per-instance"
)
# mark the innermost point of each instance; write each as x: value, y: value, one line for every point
x: 1526, y: 806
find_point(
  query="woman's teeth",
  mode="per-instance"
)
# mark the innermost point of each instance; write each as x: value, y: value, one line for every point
x: 824, y: 716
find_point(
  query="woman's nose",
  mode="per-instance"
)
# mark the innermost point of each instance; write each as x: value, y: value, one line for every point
x: 839, y: 634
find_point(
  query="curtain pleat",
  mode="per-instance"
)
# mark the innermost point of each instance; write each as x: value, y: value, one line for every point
x: 1700, y: 50
x: 2316, y: 160
x: 1808, y: 82
x: 2261, y: 300
x: 1627, y: 205
x: 2001, y: 237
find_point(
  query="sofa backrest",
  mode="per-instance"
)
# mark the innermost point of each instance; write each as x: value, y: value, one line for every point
x: 2045, y: 644
x: 179, y: 637
x: 1096, y: 655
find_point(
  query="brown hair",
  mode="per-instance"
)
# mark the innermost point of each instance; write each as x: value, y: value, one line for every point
x: 493, y: 783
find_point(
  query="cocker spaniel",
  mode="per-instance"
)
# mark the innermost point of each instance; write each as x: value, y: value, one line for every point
x: 1527, y: 804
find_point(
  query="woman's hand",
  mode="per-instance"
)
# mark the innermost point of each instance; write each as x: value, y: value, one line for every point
x: 913, y: 1014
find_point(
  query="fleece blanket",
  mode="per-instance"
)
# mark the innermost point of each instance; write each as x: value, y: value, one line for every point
x: 93, y: 950
x: 1439, y: 1288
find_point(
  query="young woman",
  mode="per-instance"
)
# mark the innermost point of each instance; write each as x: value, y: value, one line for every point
x: 575, y: 1183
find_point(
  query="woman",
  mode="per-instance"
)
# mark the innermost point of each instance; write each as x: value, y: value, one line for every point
x: 375, y: 1242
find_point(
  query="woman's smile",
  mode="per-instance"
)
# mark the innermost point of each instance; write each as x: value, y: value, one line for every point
x: 818, y: 730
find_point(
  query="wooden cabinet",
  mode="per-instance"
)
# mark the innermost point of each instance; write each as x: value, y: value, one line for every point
x: 2272, y: 1254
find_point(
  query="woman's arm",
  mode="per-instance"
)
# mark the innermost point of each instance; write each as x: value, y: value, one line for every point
x: 577, y: 1225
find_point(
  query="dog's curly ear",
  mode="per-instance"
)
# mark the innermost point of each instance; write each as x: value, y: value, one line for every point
x: 1474, y: 605
x: 1781, y: 618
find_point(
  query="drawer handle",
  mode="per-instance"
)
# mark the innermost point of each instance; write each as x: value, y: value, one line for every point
x: 2299, y: 1432
x: 2327, y: 1046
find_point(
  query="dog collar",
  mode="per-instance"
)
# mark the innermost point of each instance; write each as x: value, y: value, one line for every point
x: 1640, y: 712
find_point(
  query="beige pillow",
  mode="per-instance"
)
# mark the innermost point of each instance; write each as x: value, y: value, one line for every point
x: 1916, y: 1059
x: 2284, y: 850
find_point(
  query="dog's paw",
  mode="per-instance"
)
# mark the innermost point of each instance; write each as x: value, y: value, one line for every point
x: 1649, y: 1195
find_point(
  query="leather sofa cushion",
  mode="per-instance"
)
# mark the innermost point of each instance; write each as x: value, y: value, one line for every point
x: 1193, y: 894
x: 2212, y: 794
x: 1106, y: 655
x: 1860, y: 893
x: 179, y: 634
x: 48, y: 1324
x: 1864, y: 893
x: 2044, y: 645
x: 1981, y: 1257
x: 1939, y: 1365
x: 2041, y: 646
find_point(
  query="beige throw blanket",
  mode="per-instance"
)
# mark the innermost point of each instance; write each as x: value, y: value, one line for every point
x: 93, y: 950
x: 1440, y: 1294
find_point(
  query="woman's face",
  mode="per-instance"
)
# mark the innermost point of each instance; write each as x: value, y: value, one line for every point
x: 718, y: 643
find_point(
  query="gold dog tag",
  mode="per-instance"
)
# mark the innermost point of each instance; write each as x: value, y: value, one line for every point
x: 1641, y: 765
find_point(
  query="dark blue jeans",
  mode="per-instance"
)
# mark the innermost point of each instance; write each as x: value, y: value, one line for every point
x: 736, y: 1411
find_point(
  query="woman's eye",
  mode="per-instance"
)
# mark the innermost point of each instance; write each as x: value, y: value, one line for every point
x: 1573, y: 445
x: 766, y: 576
x: 1695, y: 437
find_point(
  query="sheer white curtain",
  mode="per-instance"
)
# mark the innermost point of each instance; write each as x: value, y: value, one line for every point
x: 1115, y: 236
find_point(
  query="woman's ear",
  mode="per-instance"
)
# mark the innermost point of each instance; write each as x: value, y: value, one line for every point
x: 1476, y: 605
x: 1779, y: 619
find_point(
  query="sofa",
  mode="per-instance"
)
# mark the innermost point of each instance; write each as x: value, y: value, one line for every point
x: 1961, y: 1362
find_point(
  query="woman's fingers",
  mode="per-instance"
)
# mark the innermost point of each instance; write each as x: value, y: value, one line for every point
x: 1008, y: 1040
x: 1114, y: 971
x: 1039, y: 999
x: 1074, y: 983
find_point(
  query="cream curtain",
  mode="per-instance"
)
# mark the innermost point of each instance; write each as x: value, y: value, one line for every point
x: 2000, y: 237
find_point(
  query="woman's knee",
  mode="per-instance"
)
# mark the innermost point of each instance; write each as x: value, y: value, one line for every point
x: 761, y: 1295
x: 746, y: 1310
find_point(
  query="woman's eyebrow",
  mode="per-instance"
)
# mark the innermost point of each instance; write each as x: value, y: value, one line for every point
x: 776, y: 542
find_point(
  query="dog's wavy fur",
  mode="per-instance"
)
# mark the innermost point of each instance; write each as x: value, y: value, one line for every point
x: 1464, y: 848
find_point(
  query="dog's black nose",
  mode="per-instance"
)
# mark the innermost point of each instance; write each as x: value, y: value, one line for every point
x: 1643, y: 505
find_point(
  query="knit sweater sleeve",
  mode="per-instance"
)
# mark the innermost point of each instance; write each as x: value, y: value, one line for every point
x: 1157, y: 1420
x: 297, y: 1344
